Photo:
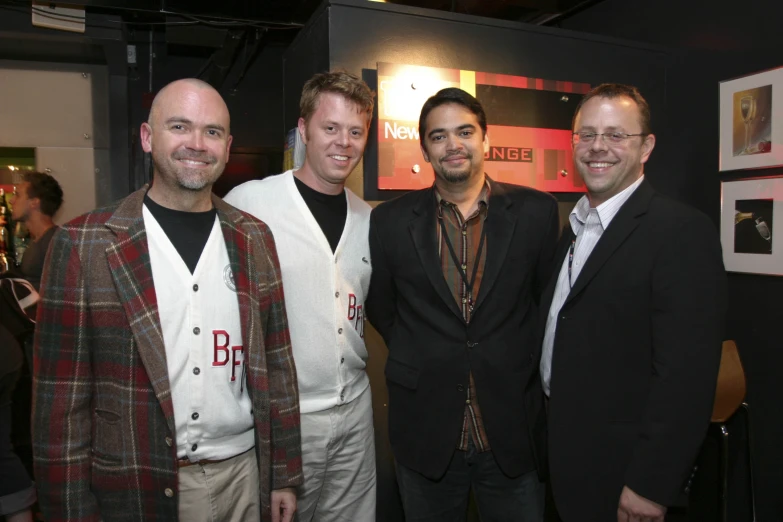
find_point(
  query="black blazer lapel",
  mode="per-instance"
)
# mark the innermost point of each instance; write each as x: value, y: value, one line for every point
x: 566, y: 236
x: 500, y: 225
x: 425, y: 238
x: 626, y: 220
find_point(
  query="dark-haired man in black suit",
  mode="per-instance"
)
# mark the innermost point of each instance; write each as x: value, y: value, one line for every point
x: 458, y: 269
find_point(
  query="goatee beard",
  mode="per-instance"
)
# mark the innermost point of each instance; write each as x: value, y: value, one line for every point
x: 456, y: 177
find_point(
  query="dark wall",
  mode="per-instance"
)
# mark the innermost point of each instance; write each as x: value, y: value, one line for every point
x: 308, y: 54
x: 254, y: 101
x: 714, y: 41
x: 361, y: 34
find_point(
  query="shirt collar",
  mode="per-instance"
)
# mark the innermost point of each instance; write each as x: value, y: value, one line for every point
x: 483, y: 199
x: 606, y: 210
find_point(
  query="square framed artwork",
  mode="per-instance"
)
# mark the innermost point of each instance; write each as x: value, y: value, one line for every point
x: 751, y: 121
x: 751, y: 225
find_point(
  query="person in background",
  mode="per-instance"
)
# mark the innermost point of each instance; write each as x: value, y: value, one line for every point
x: 38, y: 199
x: 633, y: 327
x: 321, y: 231
x: 164, y: 383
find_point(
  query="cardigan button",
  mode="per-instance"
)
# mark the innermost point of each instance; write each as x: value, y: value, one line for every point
x: 337, y: 294
x: 460, y: 388
x: 168, y: 441
x: 339, y: 330
x: 168, y: 492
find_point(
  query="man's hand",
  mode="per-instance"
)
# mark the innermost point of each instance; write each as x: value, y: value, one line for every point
x: 283, y: 504
x: 634, y: 508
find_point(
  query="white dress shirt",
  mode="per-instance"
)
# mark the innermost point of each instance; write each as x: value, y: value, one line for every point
x: 588, y: 225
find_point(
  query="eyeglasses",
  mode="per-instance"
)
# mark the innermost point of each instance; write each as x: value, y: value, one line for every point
x: 609, y: 137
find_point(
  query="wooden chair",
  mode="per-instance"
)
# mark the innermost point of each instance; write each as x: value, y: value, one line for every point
x: 729, y: 398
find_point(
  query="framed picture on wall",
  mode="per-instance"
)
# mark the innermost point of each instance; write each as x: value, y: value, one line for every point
x: 751, y: 225
x: 751, y: 121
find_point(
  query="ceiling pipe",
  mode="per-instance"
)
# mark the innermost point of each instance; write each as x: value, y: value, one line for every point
x: 559, y: 17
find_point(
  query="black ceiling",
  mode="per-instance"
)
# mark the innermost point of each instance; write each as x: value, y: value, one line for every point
x: 299, y: 11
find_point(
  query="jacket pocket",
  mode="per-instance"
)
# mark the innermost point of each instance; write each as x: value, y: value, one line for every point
x: 107, y: 443
x: 402, y: 374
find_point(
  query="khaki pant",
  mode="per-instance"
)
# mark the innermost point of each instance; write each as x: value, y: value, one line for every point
x: 222, y: 492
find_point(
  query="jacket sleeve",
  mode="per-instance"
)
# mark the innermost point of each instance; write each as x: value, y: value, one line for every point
x: 281, y: 371
x: 62, y: 389
x: 381, y: 300
x: 688, y: 309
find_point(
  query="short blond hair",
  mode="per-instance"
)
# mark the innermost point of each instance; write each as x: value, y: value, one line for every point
x: 338, y: 82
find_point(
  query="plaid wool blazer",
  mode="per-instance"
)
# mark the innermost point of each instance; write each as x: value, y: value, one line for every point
x: 103, y: 420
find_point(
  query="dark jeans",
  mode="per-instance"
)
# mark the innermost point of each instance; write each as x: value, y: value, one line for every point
x: 17, y: 491
x: 499, y: 498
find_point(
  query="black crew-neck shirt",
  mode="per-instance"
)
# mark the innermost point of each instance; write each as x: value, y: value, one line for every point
x: 187, y: 231
x: 328, y: 210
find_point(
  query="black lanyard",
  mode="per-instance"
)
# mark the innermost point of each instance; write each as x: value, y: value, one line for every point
x: 570, y: 261
x: 458, y: 264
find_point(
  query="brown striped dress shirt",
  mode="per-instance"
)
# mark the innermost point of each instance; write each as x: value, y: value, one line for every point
x: 465, y: 235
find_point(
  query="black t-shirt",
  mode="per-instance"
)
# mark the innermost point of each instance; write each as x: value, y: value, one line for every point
x: 328, y: 210
x: 187, y: 231
x: 33, y: 258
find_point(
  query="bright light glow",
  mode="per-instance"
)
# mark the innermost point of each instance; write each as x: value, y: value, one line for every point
x: 11, y: 167
x: 408, y: 90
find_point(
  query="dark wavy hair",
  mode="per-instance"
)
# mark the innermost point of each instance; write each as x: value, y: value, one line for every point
x: 452, y: 95
x: 45, y: 188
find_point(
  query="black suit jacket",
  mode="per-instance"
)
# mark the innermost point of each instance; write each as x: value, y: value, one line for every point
x: 636, y: 355
x: 431, y: 348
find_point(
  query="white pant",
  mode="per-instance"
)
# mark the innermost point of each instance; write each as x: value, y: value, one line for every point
x: 338, y: 460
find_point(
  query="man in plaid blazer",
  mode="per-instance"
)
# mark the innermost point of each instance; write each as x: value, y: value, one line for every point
x: 107, y: 443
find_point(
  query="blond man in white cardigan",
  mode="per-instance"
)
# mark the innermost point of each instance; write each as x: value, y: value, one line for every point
x: 321, y: 230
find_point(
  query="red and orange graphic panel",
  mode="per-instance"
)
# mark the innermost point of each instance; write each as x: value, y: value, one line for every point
x: 528, y: 123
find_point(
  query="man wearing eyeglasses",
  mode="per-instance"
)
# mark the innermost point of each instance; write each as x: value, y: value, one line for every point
x: 632, y: 341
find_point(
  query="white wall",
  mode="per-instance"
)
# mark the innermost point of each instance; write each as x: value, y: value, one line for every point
x: 61, y: 111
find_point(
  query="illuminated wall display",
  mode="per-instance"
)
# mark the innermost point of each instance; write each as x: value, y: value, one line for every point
x: 529, y: 126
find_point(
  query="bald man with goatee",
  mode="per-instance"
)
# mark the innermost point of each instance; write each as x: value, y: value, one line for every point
x: 165, y: 386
